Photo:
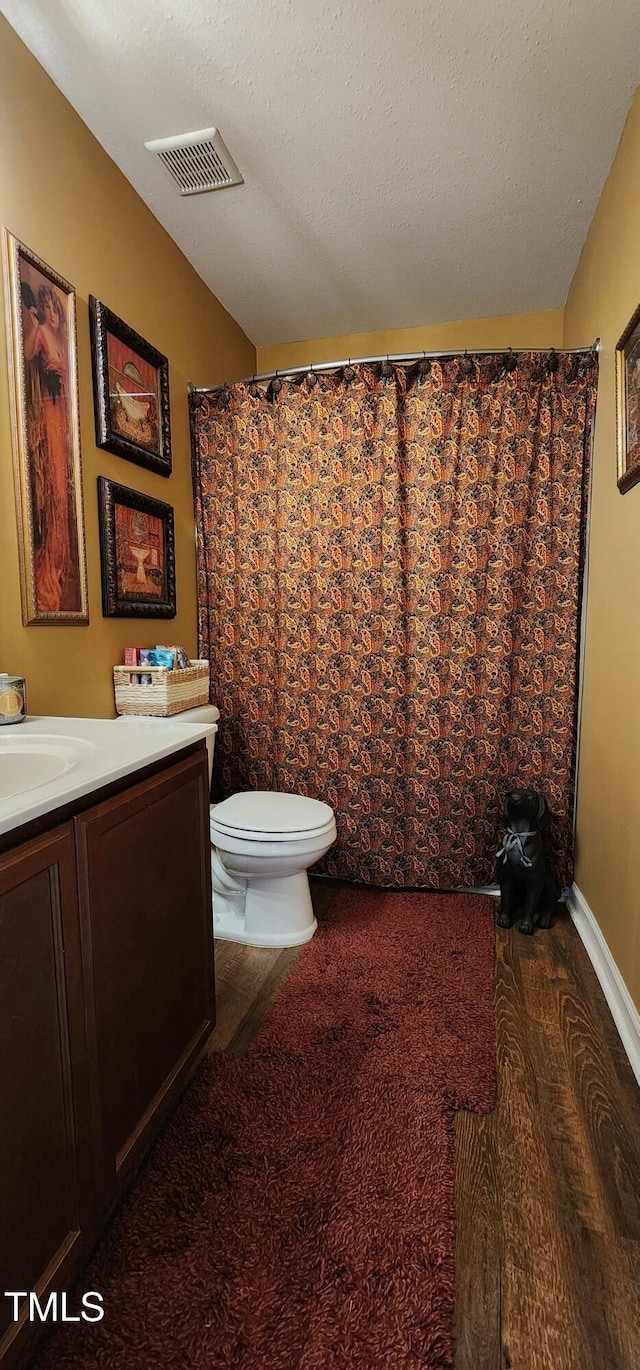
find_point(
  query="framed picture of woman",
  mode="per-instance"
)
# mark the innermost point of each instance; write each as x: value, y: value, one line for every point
x: 628, y: 404
x: 138, y: 556
x: 41, y: 325
x: 131, y: 392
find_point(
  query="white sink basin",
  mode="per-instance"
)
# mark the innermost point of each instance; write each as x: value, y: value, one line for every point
x: 33, y: 759
x: 47, y: 763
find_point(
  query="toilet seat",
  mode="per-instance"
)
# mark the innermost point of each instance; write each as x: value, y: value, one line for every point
x: 269, y: 816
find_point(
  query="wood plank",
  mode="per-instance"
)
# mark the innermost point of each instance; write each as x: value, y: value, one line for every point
x: 606, y: 1274
x: 275, y: 977
x: 580, y: 1194
x: 240, y: 975
x: 479, y: 1244
x: 609, y: 1116
x: 540, y: 1310
x: 568, y: 949
x: 606, y: 1089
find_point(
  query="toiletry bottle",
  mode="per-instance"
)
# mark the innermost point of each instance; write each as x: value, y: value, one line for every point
x: 13, y: 699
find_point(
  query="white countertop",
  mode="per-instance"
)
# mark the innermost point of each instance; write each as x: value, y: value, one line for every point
x: 90, y: 752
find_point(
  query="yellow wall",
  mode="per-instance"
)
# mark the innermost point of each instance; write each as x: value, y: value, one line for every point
x: 63, y: 196
x: 604, y: 294
x: 543, y: 329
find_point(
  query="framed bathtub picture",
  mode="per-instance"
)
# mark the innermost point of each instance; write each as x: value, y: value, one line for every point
x: 131, y: 392
x: 137, y: 552
x: 628, y: 404
x: 41, y: 328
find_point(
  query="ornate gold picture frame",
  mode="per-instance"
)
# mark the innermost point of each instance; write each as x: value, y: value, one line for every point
x: 41, y: 327
x: 628, y: 404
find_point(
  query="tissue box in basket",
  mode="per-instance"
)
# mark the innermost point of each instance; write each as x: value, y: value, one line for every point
x: 170, y: 692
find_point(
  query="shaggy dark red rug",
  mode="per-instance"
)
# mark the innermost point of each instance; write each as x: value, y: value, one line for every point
x: 399, y: 984
x: 297, y: 1212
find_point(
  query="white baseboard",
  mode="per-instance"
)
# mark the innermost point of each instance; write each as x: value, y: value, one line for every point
x: 623, y: 1010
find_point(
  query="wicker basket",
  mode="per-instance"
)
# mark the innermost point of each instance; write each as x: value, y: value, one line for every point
x: 170, y: 692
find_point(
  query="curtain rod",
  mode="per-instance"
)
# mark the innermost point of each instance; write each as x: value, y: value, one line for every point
x: 394, y: 357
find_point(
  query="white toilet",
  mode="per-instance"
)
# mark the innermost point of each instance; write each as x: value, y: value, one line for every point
x: 262, y: 844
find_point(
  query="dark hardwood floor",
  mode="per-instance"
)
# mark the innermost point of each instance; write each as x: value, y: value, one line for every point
x: 548, y: 1186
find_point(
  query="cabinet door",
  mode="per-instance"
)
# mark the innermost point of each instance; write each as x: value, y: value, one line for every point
x: 45, y: 1172
x: 145, y: 895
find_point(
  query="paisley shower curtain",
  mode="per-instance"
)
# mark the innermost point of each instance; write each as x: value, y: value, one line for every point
x: 390, y: 563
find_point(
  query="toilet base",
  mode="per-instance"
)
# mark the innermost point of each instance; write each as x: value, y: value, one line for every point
x: 273, y: 913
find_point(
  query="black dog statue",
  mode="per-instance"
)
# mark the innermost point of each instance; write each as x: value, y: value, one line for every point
x: 522, y: 870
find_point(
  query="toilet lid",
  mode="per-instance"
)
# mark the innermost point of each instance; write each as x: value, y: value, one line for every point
x: 270, y: 813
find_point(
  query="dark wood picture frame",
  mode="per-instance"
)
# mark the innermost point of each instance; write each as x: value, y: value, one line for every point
x: 121, y: 600
x: 628, y: 404
x: 137, y: 438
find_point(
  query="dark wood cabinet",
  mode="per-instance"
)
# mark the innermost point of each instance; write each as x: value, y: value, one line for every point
x: 145, y: 902
x: 45, y: 1164
x: 106, y: 1003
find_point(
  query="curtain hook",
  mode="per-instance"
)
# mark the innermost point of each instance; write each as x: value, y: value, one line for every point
x: 466, y: 364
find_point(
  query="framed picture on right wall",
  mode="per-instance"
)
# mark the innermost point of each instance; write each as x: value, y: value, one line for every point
x: 628, y: 404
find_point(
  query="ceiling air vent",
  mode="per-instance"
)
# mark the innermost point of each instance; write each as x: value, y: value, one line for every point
x: 197, y: 161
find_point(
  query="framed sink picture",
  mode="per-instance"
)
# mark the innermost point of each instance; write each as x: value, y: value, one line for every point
x: 137, y: 551
x: 131, y: 392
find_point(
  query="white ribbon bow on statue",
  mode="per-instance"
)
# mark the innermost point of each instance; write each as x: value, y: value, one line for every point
x: 513, y: 839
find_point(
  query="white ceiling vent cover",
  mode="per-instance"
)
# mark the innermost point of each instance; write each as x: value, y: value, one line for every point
x: 197, y: 162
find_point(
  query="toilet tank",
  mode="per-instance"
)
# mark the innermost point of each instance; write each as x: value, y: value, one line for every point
x: 206, y: 713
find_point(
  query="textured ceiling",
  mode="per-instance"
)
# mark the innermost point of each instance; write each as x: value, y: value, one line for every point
x: 404, y: 164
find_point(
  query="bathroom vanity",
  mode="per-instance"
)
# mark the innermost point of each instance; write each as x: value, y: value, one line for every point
x: 106, y: 981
